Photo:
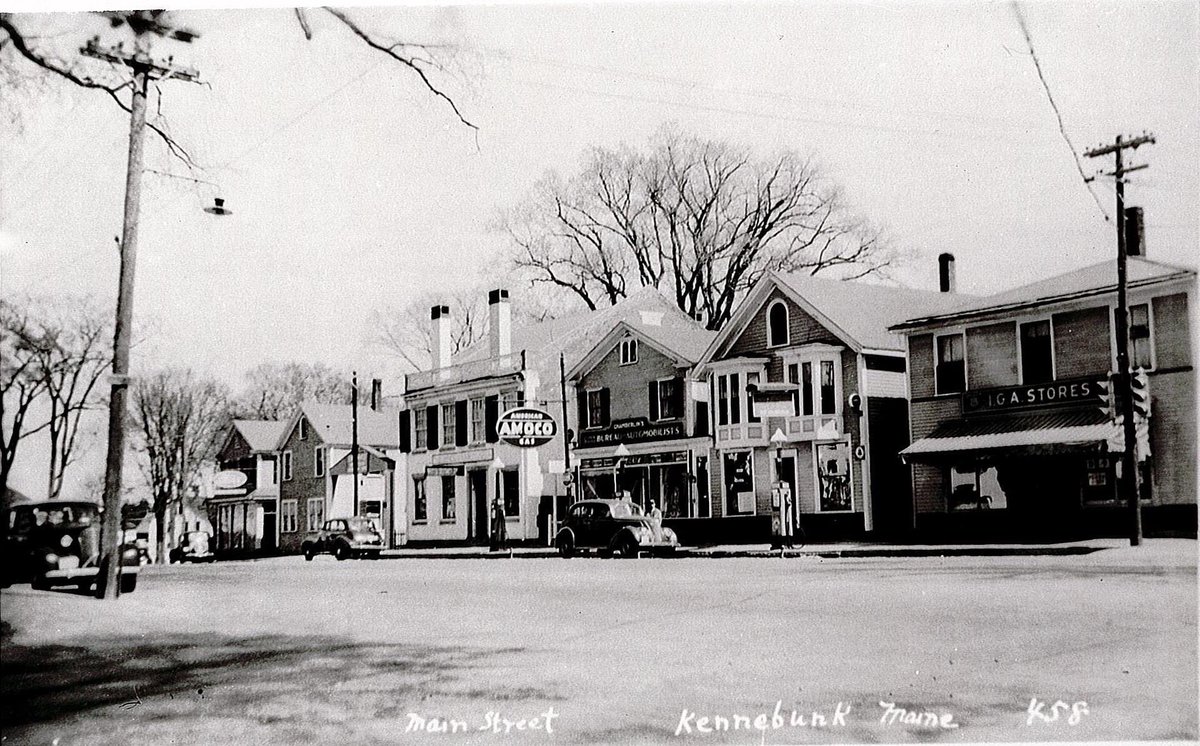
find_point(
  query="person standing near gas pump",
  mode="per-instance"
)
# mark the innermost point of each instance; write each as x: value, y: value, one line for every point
x: 499, y: 526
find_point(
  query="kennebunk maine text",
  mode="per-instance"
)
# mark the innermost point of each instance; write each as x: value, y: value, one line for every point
x: 694, y: 723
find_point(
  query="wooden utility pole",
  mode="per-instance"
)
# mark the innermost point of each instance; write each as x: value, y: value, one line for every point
x: 354, y: 436
x: 144, y: 69
x: 1130, y: 480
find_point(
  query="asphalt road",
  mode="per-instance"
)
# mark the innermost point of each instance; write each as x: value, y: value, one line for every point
x: 592, y: 650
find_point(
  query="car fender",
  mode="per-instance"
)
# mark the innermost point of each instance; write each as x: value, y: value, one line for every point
x: 565, y: 532
x: 624, y: 534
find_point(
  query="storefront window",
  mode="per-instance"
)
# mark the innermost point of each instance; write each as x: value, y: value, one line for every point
x: 975, y: 488
x: 512, y: 493
x: 448, y: 498
x: 739, y: 482
x: 833, y: 476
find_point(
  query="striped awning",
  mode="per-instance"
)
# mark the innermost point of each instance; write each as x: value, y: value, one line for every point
x: 1060, y: 431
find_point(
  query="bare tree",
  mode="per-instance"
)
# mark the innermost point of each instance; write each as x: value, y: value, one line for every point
x: 406, y: 333
x: 48, y: 53
x: 701, y: 220
x: 21, y: 384
x: 179, y: 419
x: 274, y: 391
x: 60, y: 349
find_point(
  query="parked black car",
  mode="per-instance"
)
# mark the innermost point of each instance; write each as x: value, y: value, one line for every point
x: 618, y: 527
x: 344, y: 538
x: 195, y: 547
x: 58, y: 543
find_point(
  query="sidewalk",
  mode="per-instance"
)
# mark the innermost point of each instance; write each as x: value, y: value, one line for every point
x: 1153, y: 549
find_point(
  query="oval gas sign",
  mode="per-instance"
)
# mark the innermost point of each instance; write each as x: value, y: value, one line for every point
x: 526, y: 427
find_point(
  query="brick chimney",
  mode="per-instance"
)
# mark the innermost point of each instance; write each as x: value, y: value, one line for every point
x: 946, y: 272
x: 1135, y: 232
x: 499, y: 323
x: 439, y: 317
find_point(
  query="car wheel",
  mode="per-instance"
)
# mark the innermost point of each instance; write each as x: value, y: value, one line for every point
x: 341, y: 552
x: 309, y: 554
x: 566, y: 546
x: 128, y: 582
x: 39, y: 583
x: 625, y: 548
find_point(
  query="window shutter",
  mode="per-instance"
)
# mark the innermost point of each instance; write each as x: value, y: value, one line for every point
x: 604, y: 421
x: 581, y: 401
x: 653, y: 401
x: 677, y: 397
x: 520, y: 397
x: 461, y: 436
x: 405, y: 431
x: 431, y: 427
x: 491, y: 413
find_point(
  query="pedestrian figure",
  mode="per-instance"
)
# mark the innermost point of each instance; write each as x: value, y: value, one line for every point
x: 499, y: 527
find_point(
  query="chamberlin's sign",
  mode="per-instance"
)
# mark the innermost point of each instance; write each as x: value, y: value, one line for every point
x: 526, y: 427
x: 1073, y: 392
x: 631, y: 431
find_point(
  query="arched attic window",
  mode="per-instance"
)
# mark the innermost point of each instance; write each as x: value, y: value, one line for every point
x: 777, y: 324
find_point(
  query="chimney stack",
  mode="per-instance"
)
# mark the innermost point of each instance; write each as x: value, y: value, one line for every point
x: 1135, y: 232
x: 376, y: 393
x: 946, y: 272
x: 439, y: 317
x: 499, y: 323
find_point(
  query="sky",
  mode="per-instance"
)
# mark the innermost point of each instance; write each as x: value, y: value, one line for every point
x: 352, y: 188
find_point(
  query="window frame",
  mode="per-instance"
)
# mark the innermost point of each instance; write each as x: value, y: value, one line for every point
x: 289, y: 516
x: 1049, y: 322
x: 420, y: 421
x: 816, y: 466
x: 302, y: 428
x: 671, y: 382
x: 319, y: 514
x: 420, y: 500
x: 449, y: 425
x: 1133, y: 363
x: 937, y: 354
x: 477, y: 428
x: 449, y: 516
x: 787, y: 324
x: 589, y: 425
x: 629, y: 351
x: 285, y: 465
x: 504, y: 477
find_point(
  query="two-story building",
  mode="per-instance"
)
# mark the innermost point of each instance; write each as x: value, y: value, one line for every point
x: 642, y: 424
x: 456, y: 464
x: 316, y: 473
x: 244, y: 507
x: 1012, y: 431
x: 808, y: 393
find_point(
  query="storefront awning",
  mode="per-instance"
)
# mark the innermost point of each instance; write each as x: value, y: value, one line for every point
x: 1033, y: 433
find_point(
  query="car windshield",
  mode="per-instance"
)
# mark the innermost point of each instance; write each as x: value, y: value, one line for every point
x: 361, y: 524
x: 58, y: 515
x: 625, y: 510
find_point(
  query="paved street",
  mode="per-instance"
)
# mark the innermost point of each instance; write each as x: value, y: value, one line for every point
x: 283, y: 651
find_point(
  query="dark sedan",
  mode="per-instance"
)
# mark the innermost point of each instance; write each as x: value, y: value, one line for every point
x: 616, y: 527
x: 58, y: 543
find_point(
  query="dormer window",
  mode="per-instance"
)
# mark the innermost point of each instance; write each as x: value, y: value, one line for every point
x: 629, y: 351
x: 777, y: 324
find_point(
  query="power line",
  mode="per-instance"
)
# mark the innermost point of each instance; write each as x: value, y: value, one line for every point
x: 1058, y: 115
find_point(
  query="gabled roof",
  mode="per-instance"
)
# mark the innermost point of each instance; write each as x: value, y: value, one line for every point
x: 575, y: 335
x: 261, y: 435
x: 858, y: 313
x: 1095, y: 279
x: 333, y: 424
x: 672, y: 333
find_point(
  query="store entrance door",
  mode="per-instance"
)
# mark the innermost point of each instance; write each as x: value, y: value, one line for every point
x: 477, y: 486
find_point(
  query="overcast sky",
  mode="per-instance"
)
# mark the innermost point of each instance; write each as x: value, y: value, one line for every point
x: 353, y: 188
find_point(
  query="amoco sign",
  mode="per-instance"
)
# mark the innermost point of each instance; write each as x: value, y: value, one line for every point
x: 526, y: 427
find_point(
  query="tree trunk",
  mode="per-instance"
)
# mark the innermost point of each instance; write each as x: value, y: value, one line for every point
x: 161, y: 508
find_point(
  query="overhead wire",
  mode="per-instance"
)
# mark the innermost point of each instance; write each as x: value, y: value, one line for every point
x: 1087, y: 182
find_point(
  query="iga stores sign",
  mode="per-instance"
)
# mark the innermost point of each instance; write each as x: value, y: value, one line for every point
x: 526, y: 427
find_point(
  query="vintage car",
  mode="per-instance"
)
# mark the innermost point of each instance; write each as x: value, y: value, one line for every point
x: 344, y: 538
x: 193, y: 548
x: 58, y: 543
x: 616, y: 527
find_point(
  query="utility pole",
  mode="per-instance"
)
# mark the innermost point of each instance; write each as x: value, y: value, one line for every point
x: 354, y: 436
x: 1129, y: 463
x: 144, y: 70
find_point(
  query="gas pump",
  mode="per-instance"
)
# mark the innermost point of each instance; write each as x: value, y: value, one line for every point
x: 782, y: 528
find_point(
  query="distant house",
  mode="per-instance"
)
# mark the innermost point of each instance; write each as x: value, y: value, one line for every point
x: 1010, y: 420
x: 457, y: 465
x: 642, y: 426
x: 808, y: 394
x: 244, y: 507
x: 316, y: 473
